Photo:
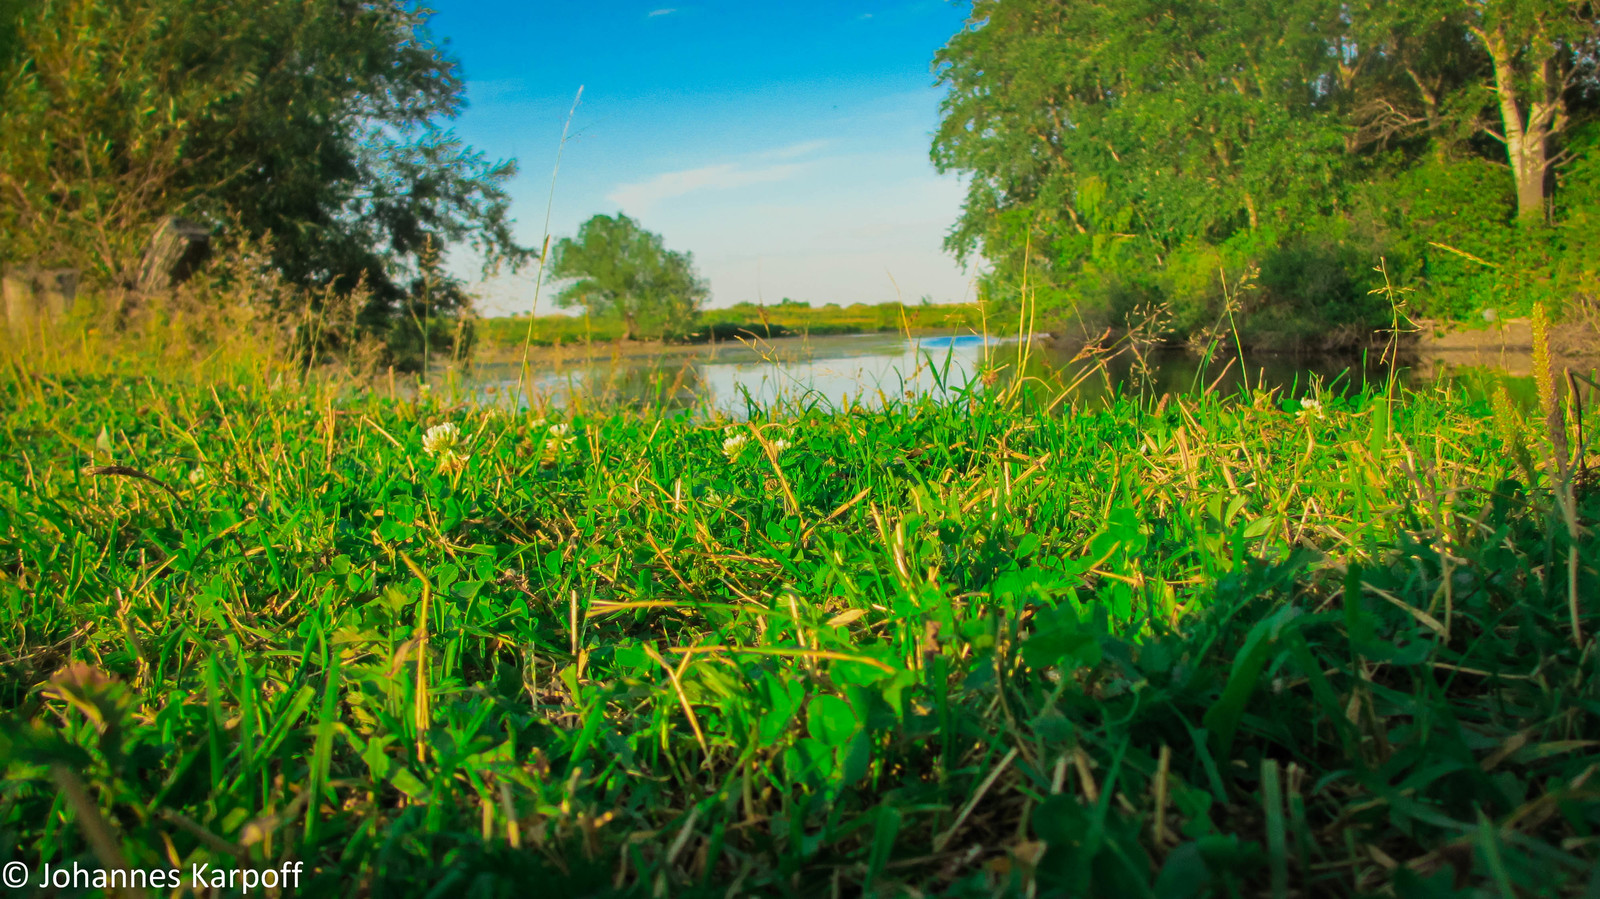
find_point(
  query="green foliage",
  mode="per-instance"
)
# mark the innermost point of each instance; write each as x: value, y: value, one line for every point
x: 1130, y: 155
x: 744, y: 320
x: 1221, y: 647
x: 10, y: 19
x: 619, y: 270
x: 317, y: 127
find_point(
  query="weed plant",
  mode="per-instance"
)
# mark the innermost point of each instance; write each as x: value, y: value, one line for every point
x: 1205, y: 646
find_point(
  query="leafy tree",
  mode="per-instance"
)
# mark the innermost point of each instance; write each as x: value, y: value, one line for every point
x: 1543, y: 53
x: 619, y: 269
x: 1106, y: 135
x: 318, y: 123
x: 1126, y: 152
x: 1516, y: 73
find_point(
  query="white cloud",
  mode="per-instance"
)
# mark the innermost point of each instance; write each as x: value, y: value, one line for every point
x: 660, y: 12
x: 642, y: 196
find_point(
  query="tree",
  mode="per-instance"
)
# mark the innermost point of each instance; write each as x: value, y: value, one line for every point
x: 1542, y: 53
x: 619, y: 269
x: 318, y: 123
x: 1107, y: 134
x: 1121, y: 152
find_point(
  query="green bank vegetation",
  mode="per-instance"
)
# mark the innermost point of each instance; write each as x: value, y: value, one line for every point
x: 1123, y: 155
x: 1208, y: 646
x: 787, y: 318
x: 310, y: 139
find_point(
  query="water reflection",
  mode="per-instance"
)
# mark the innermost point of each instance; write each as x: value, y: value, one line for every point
x: 734, y: 378
x: 1092, y: 381
x: 874, y: 370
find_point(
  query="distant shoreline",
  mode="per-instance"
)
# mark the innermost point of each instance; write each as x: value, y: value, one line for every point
x: 599, y: 350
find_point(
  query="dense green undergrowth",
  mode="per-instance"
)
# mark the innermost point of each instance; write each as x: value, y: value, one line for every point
x: 1208, y: 647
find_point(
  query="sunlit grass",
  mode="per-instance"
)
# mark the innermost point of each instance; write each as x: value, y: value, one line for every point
x: 1216, y: 645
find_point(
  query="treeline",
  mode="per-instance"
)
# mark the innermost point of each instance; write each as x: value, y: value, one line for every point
x: 742, y: 321
x: 1165, y: 160
x: 308, y: 135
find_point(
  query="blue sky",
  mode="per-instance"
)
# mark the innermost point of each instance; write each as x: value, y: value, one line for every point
x: 784, y: 144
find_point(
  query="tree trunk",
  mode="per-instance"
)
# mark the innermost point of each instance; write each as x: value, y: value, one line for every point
x: 174, y: 251
x: 1528, y: 122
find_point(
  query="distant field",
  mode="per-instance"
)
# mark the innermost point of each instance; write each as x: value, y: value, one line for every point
x: 725, y: 324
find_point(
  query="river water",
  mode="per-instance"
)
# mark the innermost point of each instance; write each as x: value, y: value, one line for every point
x: 877, y: 369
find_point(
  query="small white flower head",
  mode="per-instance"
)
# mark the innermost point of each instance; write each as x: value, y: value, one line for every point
x: 733, y: 445
x: 537, y: 422
x: 561, y: 437
x: 1310, y: 407
x: 779, y: 445
x: 198, y: 475
x: 441, y: 439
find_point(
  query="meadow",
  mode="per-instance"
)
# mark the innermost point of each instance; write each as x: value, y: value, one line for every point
x: 1214, y: 645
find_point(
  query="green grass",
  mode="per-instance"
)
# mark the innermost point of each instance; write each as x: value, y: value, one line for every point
x: 1212, y: 647
x: 780, y: 320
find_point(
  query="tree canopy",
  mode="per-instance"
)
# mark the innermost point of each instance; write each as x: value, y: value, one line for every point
x: 1128, y: 151
x: 319, y: 123
x: 618, y: 269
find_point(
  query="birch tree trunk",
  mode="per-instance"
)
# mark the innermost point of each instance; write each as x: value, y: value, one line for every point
x: 1530, y: 115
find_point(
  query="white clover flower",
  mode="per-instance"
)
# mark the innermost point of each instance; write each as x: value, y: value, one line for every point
x: 441, y: 439
x: 198, y: 475
x: 561, y: 437
x: 779, y: 445
x: 732, y: 446
x: 1310, y: 407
